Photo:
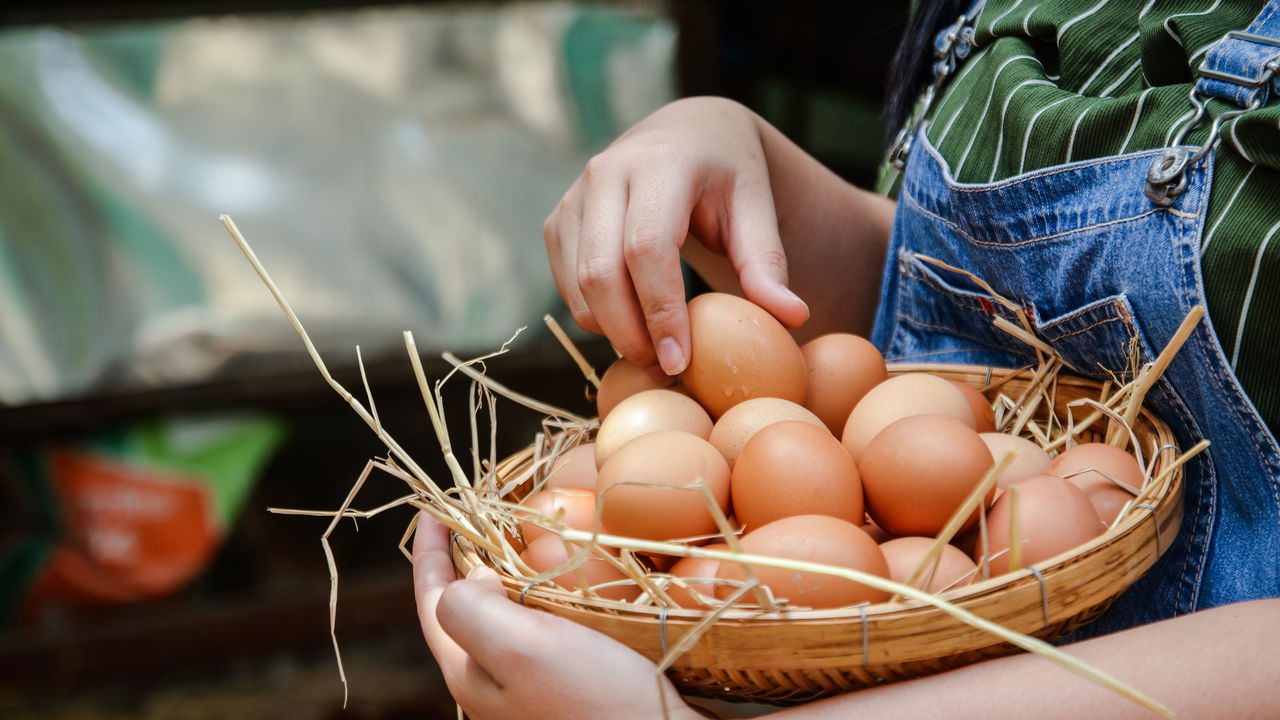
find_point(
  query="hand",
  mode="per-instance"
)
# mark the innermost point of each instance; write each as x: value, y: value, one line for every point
x: 695, y: 166
x: 507, y: 662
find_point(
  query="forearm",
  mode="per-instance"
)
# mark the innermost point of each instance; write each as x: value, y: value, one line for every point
x: 833, y: 233
x: 1217, y: 663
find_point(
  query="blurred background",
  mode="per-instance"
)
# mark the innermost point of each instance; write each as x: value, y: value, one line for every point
x: 391, y: 165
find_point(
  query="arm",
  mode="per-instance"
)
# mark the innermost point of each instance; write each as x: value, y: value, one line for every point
x: 833, y: 235
x: 763, y: 211
x: 1218, y: 663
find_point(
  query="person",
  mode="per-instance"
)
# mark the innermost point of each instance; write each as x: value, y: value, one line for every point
x: 1064, y: 161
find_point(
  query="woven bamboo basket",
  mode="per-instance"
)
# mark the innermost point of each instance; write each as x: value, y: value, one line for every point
x: 798, y: 655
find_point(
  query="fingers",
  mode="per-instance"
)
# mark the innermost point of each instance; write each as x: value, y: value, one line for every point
x: 656, y: 225
x: 562, y: 231
x: 757, y: 255
x: 603, y: 276
x: 489, y: 627
x: 433, y: 572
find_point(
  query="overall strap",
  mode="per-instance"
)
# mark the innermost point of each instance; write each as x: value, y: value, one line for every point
x: 1243, y: 68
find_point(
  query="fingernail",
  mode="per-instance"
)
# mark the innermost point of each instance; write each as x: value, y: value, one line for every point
x: 671, y: 356
x: 791, y: 294
x: 659, y: 376
x: 479, y: 572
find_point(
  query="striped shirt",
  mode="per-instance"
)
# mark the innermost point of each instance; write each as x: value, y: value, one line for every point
x: 1055, y: 81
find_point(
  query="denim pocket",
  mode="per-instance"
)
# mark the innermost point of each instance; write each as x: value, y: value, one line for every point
x: 1099, y: 340
x: 949, y: 320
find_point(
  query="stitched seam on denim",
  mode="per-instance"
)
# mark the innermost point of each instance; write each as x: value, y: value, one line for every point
x: 1028, y: 241
x: 1085, y: 329
x: 955, y: 332
x: 965, y: 299
x: 912, y: 356
x: 1048, y: 172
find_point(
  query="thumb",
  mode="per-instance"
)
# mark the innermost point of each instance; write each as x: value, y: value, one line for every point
x: 755, y: 249
x: 486, y: 578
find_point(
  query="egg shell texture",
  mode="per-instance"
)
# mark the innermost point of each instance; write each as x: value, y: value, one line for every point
x: 740, y: 352
x: 1030, y: 460
x: 647, y: 412
x: 842, y: 369
x: 549, y: 551
x: 899, y: 397
x: 812, y: 538
x: 955, y: 569
x: 574, y: 507
x: 984, y: 418
x: 624, y: 379
x: 918, y: 471
x: 640, y: 487
x: 1105, y: 460
x: 695, y: 567
x: 795, y: 468
x: 1054, y: 516
x: 575, y: 468
x: 732, y: 431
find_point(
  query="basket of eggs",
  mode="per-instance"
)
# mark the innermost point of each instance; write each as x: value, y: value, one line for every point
x: 788, y: 523
x: 706, y: 525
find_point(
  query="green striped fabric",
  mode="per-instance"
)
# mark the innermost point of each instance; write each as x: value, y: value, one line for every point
x: 1052, y: 82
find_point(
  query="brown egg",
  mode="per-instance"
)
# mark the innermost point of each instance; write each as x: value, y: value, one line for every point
x: 1090, y: 466
x: 740, y: 352
x: 918, y: 471
x: 1030, y: 460
x: 904, y: 554
x: 693, y: 567
x: 622, y: 380
x: 876, y: 532
x: 811, y: 538
x: 732, y: 431
x: 795, y: 468
x: 899, y: 397
x: 984, y: 418
x: 656, y: 510
x: 647, y: 412
x: 574, y: 507
x: 574, y: 468
x: 842, y: 368
x: 548, y: 551
x: 1054, y: 517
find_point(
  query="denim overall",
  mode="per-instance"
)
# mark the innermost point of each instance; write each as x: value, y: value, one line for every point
x: 1097, y: 262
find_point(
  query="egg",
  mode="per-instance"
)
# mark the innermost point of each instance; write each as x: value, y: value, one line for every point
x: 622, y: 380
x: 575, y: 468
x: 1030, y: 460
x: 1089, y: 466
x: 740, y: 352
x: 695, y: 568
x: 842, y: 368
x: 811, y: 538
x: 876, y: 532
x: 574, y: 507
x: 651, y: 505
x: 918, y: 471
x: 984, y: 418
x: 647, y: 412
x: 795, y: 468
x: 549, y: 551
x: 904, y: 554
x: 742, y: 421
x: 899, y: 397
x: 1054, y: 516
